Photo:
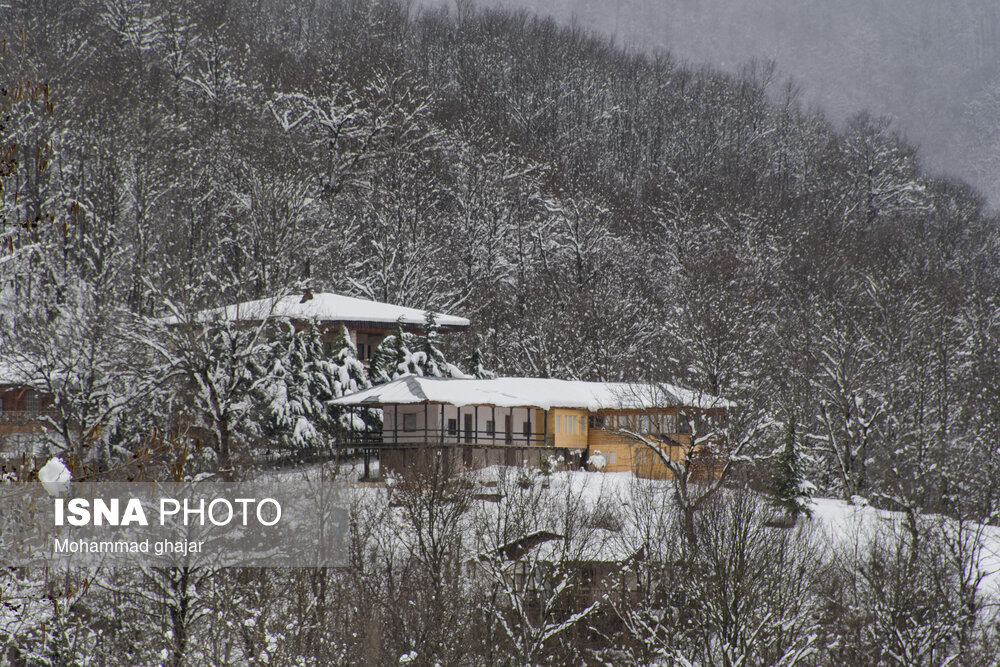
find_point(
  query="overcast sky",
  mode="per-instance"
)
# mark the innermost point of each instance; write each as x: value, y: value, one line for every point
x: 932, y: 65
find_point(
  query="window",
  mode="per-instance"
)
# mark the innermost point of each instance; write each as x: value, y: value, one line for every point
x: 490, y: 428
x: 361, y: 351
x: 409, y: 422
x: 583, y: 425
x: 468, y: 428
x: 596, y: 421
x: 31, y: 400
x: 611, y: 458
x: 1, y: 403
x: 452, y: 427
x: 508, y: 429
x: 526, y: 430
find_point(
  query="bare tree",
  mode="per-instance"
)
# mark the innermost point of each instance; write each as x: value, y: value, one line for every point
x: 722, y: 435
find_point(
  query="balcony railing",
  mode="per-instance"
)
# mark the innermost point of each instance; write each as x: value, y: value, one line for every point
x: 441, y: 437
x: 421, y: 437
x: 24, y: 416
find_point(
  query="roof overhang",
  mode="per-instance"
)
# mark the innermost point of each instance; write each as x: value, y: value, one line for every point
x: 538, y: 393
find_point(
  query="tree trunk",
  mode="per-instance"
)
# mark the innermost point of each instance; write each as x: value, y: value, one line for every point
x: 687, y: 525
x: 225, y: 457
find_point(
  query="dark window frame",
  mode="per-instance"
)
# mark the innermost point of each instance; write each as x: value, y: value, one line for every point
x: 410, y: 422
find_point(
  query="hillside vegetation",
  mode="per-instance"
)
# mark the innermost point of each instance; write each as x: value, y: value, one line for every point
x: 597, y: 214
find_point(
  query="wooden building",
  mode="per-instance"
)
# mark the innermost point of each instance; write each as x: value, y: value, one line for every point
x: 367, y: 322
x: 594, y: 561
x: 473, y: 423
x: 21, y: 410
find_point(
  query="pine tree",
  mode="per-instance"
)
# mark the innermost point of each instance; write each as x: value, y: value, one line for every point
x: 393, y: 358
x: 427, y: 354
x: 350, y: 372
x: 790, y: 489
x: 351, y: 377
x: 426, y: 349
x: 302, y: 384
x: 474, y: 364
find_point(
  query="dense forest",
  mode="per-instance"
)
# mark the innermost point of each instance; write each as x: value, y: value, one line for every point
x: 598, y: 214
x: 932, y: 66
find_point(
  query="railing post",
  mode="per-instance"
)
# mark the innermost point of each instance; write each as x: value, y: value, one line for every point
x: 350, y: 430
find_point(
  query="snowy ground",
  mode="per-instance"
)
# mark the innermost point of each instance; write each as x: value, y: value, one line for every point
x: 835, y: 523
x: 840, y: 522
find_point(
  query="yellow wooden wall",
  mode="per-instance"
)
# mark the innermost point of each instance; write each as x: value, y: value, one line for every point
x: 632, y: 456
x: 557, y: 421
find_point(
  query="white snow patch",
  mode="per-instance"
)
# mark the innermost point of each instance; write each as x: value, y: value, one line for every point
x: 55, y: 477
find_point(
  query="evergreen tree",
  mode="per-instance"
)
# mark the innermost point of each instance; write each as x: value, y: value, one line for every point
x: 402, y: 353
x: 302, y: 383
x: 790, y: 489
x: 393, y: 357
x: 426, y: 349
x: 474, y: 364
x: 351, y: 377
x: 427, y: 354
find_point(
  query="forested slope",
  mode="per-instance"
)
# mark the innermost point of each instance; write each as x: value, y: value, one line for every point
x: 596, y: 214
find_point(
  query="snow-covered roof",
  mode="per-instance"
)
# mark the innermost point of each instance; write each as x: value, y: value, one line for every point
x: 327, y: 307
x: 543, y: 393
x: 594, y: 545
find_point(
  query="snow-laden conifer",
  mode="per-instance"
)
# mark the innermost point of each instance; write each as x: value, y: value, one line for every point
x: 788, y: 485
x: 474, y: 363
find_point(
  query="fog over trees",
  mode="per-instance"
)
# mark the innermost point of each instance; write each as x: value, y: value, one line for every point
x: 933, y: 66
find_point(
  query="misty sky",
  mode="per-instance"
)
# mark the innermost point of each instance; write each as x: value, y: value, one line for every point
x: 932, y: 65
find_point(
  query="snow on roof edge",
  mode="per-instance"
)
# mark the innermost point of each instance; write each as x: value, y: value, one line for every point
x: 540, y: 393
x: 325, y: 307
